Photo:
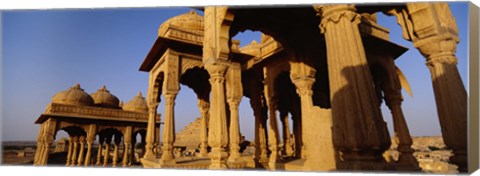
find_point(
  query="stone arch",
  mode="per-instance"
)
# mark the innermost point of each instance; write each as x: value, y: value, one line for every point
x: 155, y: 88
x: 188, y: 64
x: 73, y: 130
x: 196, y: 78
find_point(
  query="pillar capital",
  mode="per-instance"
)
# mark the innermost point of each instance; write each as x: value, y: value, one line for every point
x: 438, y: 49
x: 170, y: 98
x: 304, y: 85
x: 152, y: 107
x: 203, y: 105
x: 217, y: 71
x: 233, y: 102
x: 333, y: 13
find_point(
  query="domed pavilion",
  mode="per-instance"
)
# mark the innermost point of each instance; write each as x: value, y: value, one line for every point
x: 93, y: 122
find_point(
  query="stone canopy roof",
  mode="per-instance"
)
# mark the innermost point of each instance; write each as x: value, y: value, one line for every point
x: 101, y: 105
x: 191, y: 22
x: 104, y: 98
x: 137, y: 104
x: 73, y: 96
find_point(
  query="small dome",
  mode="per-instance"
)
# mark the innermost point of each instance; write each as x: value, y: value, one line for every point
x: 73, y: 96
x: 190, y: 21
x: 104, y: 98
x: 137, y: 104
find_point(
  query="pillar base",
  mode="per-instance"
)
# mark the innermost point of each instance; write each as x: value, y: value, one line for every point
x: 363, y: 162
x: 275, y: 166
x: 168, y: 162
x: 217, y: 156
x: 407, y: 162
x: 149, y: 156
x: 460, y: 159
x: 234, y: 157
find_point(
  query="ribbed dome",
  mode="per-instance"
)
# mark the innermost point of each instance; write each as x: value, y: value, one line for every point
x: 190, y: 21
x: 137, y: 104
x: 104, y: 98
x: 73, y: 96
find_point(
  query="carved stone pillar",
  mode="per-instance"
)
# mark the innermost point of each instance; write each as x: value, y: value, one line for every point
x: 39, y: 150
x: 359, y: 131
x: 434, y: 32
x: 150, y: 136
x: 70, y: 151
x: 106, y: 151
x: 234, y: 96
x: 450, y: 94
x: 132, y: 149
x: 46, y: 151
x: 234, y: 130
x: 127, y: 139
x: 287, y: 141
x: 88, y: 156
x: 204, y: 106
x: 168, y: 129
x: 259, y: 111
x: 48, y: 138
x: 82, y: 150
x: 116, y: 143
x: 272, y: 100
x: 75, y: 151
x: 90, y: 140
x: 101, y: 140
x: 217, y: 127
x: 115, y: 154
x: 316, y: 123
x: 390, y: 85
x: 297, y: 131
x: 273, y: 136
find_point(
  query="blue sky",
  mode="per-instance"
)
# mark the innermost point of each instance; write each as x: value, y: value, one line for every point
x: 47, y: 51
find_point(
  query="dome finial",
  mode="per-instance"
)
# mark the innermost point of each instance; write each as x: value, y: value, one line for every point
x: 104, y: 89
x: 192, y: 12
x: 76, y: 86
x: 139, y: 95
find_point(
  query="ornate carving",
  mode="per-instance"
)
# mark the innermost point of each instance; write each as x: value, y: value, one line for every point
x: 217, y: 33
x: 333, y: 14
x: 170, y: 98
x: 171, y: 81
x: 217, y: 72
x: 438, y: 49
x: 189, y: 64
x: 95, y: 112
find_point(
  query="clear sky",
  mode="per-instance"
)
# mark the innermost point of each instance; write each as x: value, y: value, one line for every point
x: 47, y: 51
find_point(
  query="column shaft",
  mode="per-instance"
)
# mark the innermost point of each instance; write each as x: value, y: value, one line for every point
x: 81, y: 152
x: 217, y: 133
x: 88, y: 156
x: 75, y: 151
x: 150, y: 137
x: 287, y: 143
x: 260, y: 125
x: 204, y: 108
x: 234, y: 131
x: 358, y: 127
x: 115, y: 155
x: 70, y: 151
x: 39, y: 150
x: 99, y: 152
x: 273, y: 136
x: 450, y: 94
x: 106, y: 153
x: 127, y: 139
x: 168, y: 129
